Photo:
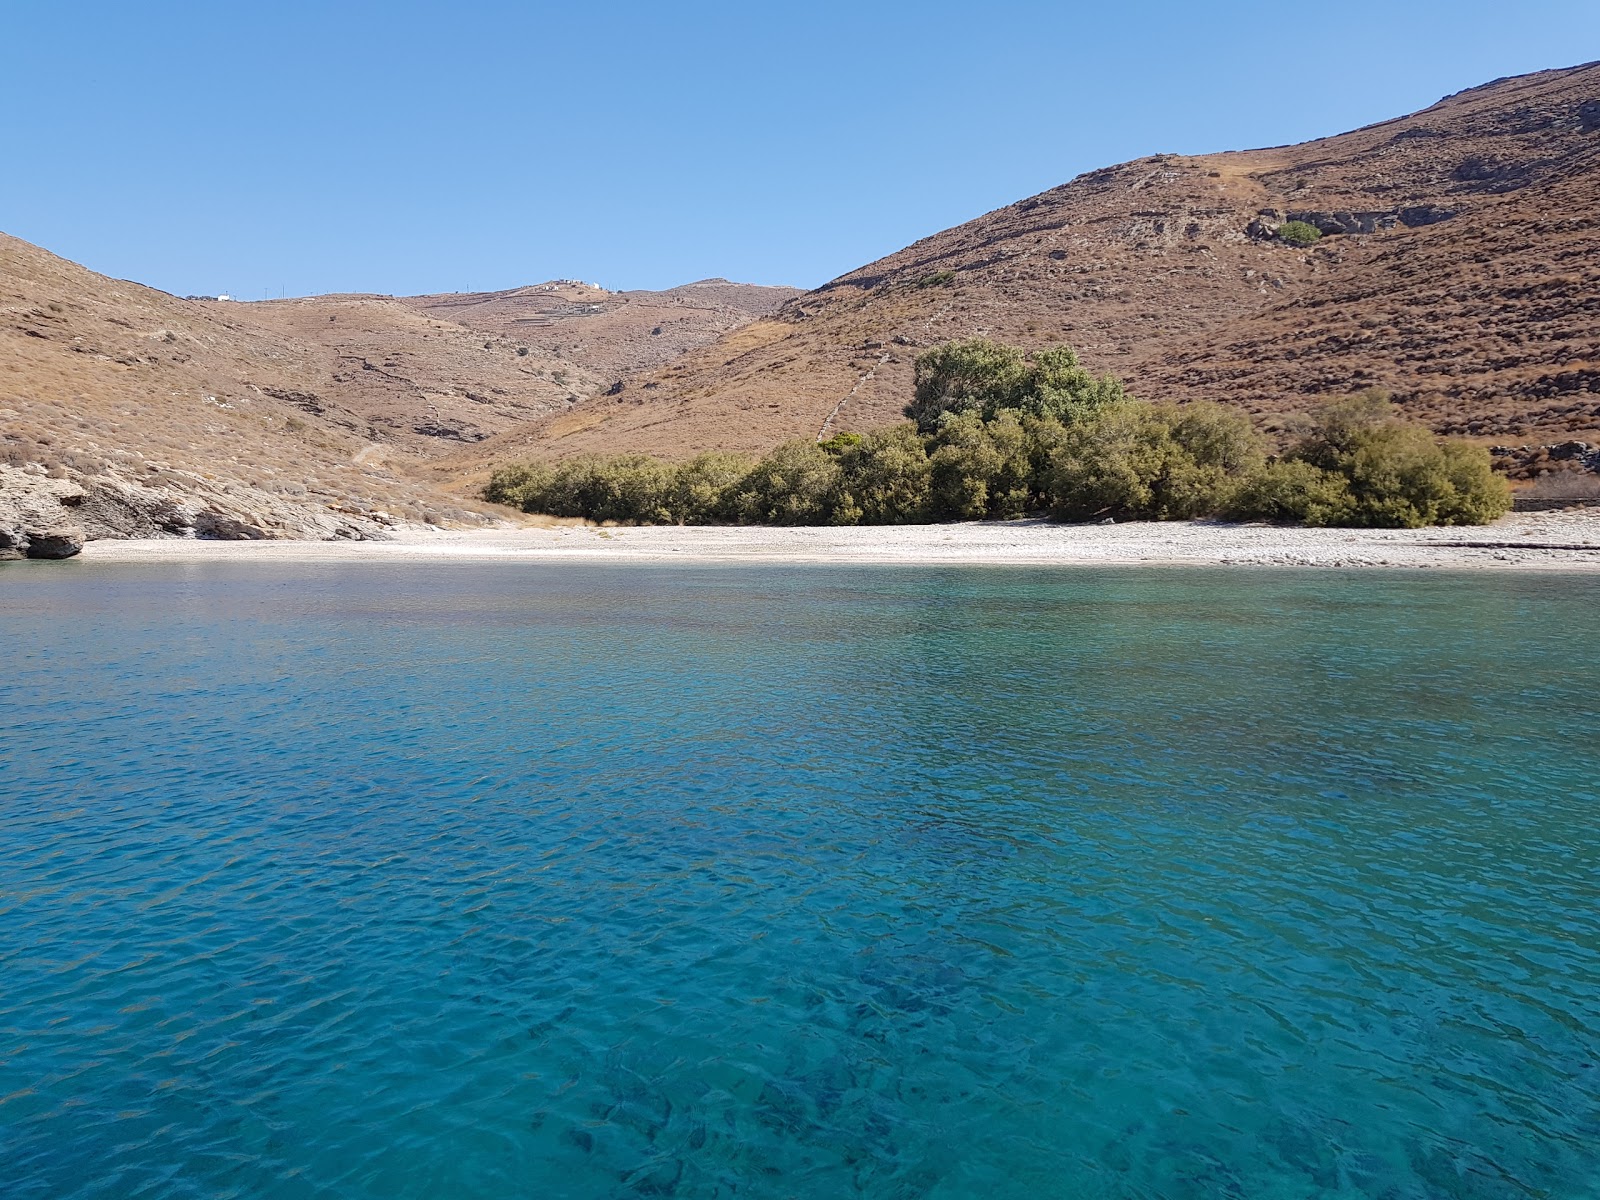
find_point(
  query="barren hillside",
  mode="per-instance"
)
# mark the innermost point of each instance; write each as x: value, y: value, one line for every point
x: 299, y: 418
x: 1459, y: 269
x: 147, y: 414
x: 609, y: 334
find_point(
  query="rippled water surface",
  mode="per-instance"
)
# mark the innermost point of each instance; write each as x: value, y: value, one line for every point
x: 504, y: 880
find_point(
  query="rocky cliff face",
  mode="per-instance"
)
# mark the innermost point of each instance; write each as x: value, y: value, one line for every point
x: 1458, y: 269
x: 38, y: 516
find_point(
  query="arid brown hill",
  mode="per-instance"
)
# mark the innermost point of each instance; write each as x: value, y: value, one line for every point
x: 293, y: 418
x: 1460, y: 269
x: 314, y: 417
x: 609, y: 334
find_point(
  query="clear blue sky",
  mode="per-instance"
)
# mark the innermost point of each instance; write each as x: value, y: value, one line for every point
x: 406, y: 146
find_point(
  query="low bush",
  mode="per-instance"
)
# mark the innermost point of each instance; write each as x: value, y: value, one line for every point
x: 1299, y: 233
x: 981, y: 468
x: 704, y: 491
x: 1358, y: 465
x: 795, y: 484
x: 1291, y: 492
x: 884, y: 478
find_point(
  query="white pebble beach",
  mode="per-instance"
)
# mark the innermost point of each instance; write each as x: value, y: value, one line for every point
x: 1529, y: 541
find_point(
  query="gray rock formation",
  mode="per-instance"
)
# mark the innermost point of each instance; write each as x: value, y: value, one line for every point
x: 1265, y: 225
x: 61, y: 542
x: 43, y: 513
x: 38, y: 514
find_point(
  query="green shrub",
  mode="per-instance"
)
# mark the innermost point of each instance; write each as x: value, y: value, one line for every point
x: 1396, y: 475
x: 1299, y: 233
x: 985, y: 377
x: 976, y: 375
x: 1401, y: 478
x: 885, y: 479
x: 1292, y: 492
x: 1216, y: 450
x: 1337, y: 426
x: 627, y: 487
x: 1058, y: 386
x: 841, y: 443
x: 705, y: 488
x: 1163, y: 463
x: 514, y: 485
x: 1481, y: 495
x: 981, y: 468
x: 796, y: 484
x: 1105, y: 466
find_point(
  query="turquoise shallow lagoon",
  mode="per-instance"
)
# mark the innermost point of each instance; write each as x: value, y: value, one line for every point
x: 498, y: 880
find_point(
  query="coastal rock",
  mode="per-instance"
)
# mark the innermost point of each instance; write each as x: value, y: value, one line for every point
x: 34, y: 509
x: 216, y: 526
x: 60, y: 542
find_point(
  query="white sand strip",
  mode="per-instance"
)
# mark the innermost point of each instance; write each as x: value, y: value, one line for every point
x: 1538, y: 541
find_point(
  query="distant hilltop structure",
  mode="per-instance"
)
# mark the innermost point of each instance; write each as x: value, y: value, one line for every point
x: 554, y: 284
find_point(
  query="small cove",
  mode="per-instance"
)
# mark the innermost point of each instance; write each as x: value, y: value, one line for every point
x: 490, y: 879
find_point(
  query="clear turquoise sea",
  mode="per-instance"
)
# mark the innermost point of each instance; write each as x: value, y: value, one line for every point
x: 497, y: 880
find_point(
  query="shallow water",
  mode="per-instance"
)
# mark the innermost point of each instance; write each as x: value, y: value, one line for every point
x: 501, y: 880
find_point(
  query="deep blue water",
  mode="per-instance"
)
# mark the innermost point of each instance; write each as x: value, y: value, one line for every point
x: 504, y: 880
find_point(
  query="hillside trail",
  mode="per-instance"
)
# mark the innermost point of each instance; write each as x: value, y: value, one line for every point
x: 822, y: 434
x: 871, y: 372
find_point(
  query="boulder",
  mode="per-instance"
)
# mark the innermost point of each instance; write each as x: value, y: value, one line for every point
x: 1425, y: 214
x: 13, y: 544
x: 59, y: 542
x: 208, y: 523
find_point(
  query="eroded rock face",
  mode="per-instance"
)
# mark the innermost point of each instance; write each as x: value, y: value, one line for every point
x: 54, y: 543
x: 1346, y: 222
x: 35, y: 508
x: 221, y: 527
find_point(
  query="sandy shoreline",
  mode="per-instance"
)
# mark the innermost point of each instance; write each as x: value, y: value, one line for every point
x: 1531, y: 541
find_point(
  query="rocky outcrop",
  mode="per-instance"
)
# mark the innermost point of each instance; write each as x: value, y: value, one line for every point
x: 61, y: 542
x: 50, y: 516
x: 37, y: 514
x: 1267, y: 221
x: 220, y: 527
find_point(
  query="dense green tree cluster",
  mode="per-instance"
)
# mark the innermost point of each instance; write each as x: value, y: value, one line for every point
x: 996, y: 433
x: 1359, y: 466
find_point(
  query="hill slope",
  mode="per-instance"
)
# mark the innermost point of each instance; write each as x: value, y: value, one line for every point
x: 148, y: 415
x: 1459, y: 271
x: 609, y: 334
